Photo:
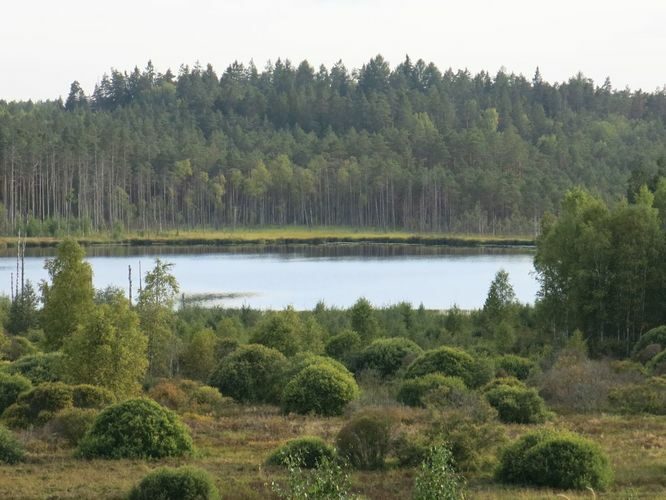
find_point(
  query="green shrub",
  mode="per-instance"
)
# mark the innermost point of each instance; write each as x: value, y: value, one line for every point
x: 11, y: 450
x: 305, y: 359
x: 91, y: 396
x: 645, y: 397
x: 658, y: 364
x: 38, y: 405
x: 208, y: 400
x: 437, y: 478
x: 387, y: 356
x: 506, y: 381
x: 517, y: 405
x: 168, y: 393
x: 10, y: 388
x: 72, y: 423
x: 343, y: 345
x: 364, y: 441
x: 513, y: 366
x: 321, y: 389
x: 410, y: 449
x: 183, y: 483
x: 445, y: 360
x: 136, y: 428
x: 39, y: 368
x: 654, y: 336
x: 306, y: 452
x: 413, y: 391
x: 252, y: 373
x: 328, y: 481
x: 557, y: 460
x: 18, y: 347
x: 281, y: 330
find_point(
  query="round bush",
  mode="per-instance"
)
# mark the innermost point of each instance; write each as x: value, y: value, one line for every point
x: 343, y: 345
x: 365, y: 440
x: 252, y: 373
x: 654, y: 336
x: 11, y: 450
x: 72, y: 423
x: 556, y: 460
x: 136, y: 428
x: 303, y: 360
x: 207, y: 400
x: 306, y: 452
x: 280, y: 331
x: 167, y: 393
x: 413, y: 391
x: 38, y: 405
x: 39, y: 368
x: 444, y: 360
x: 517, y: 405
x: 91, y: 396
x: 506, y: 381
x: 513, y: 366
x: 183, y: 483
x: 387, y: 355
x: 321, y: 389
x: 10, y: 388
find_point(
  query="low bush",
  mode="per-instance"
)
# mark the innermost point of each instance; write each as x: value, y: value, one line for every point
x: 305, y: 359
x: 437, y: 477
x: 517, y: 405
x: 38, y: 405
x: 654, y: 336
x: 183, y: 483
x: 39, y: 367
x: 91, y: 396
x: 646, y: 397
x: 71, y: 424
x: 445, y: 360
x: 11, y: 451
x: 10, y: 388
x: 387, y: 356
x: 412, y: 392
x: 343, y: 345
x: 556, y: 460
x: 136, y: 428
x: 410, y: 449
x: 657, y: 366
x: 169, y: 394
x: 364, y: 441
x: 506, y: 381
x: 208, y: 400
x: 320, y: 389
x: 306, y: 452
x: 511, y: 365
x: 252, y: 373
x: 19, y: 347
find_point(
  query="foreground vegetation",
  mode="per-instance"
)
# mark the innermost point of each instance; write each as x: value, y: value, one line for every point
x: 568, y: 396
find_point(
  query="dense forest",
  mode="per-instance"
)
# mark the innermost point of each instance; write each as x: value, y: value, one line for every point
x: 408, y: 147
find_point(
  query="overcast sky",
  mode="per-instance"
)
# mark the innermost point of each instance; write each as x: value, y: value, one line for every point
x: 45, y: 45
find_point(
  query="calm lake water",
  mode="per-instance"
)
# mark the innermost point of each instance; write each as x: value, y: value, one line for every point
x: 278, y: 276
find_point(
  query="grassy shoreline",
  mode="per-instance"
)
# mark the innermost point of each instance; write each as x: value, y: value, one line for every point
x: 281, y: 235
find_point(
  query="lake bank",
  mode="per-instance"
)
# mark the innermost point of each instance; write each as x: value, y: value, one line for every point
x: 282, y: 235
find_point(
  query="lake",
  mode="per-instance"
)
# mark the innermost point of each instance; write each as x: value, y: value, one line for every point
x: 273, y: 277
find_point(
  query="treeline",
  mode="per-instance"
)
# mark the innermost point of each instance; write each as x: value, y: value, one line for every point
x: 405, y: 147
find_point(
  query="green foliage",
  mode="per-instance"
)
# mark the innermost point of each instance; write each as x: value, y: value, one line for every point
x: 207, y: 400
x: 306, y: 452
x: 39, y: 367
x: 91, y: 396
x: 514, y: 366
x: 73, y: 423
x: 557, y: 460
x: 200, y: 355
x: 328, y: 481
x: 364, y: 441
x: 11, y: 451
x: 107, y: 349
x: 23, y: 314
x: 657, y: 365
x: 412, y: 392
x: 320, y: 388
x: 136, y: 428
x: 387, y: 355
x: 655, y: 336
x: 251, y: 373
x: 645, y: 397
x: 437, y: 478
x: 19, y: 347
x: 282, y: 331
x: 445, y: 360
x: 343, y: 345
x: 500, y: 300
x: 68, y: 298
x: 183, y: 483
x: 10, y: 388
x: 517, y: 405
x: 38, y: 405
x: 364, y: 320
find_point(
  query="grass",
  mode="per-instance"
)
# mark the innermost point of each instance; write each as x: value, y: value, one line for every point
x: 234, y: 446
x: 288, y: 234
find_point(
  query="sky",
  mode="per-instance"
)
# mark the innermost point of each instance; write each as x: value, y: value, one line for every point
x: 45, y: 45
